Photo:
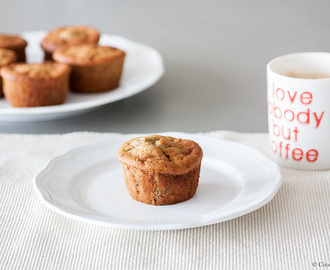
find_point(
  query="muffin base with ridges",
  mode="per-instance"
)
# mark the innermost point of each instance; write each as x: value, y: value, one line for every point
x: 34, y: 85
x: 25, y: 94
x: 98, y: 78
x: 160, y: 189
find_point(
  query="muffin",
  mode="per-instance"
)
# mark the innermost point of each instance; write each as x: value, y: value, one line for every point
x: 94, y: 68
x: 68, y: 35
x: 15, y: 43
x: 161, y: 170
x: 32, y: 85
x: 6, y: 57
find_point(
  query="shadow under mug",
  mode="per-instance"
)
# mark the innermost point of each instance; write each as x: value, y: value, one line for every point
x: 298, y: 95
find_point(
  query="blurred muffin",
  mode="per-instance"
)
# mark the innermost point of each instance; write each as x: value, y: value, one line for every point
x: 161, y: 170
x: 15, y: 43
x: 68, y: 35
x: 32, y: 85
x: 6, y: 57
x: 94, y: 68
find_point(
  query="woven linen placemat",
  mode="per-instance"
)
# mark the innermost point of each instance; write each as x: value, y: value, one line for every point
x: 290, y: 232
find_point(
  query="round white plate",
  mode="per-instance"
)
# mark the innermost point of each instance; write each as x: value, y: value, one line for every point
x: 143, y: 67
x: 87, y: 184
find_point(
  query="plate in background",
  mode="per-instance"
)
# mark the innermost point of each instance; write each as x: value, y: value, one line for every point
x: 87, y: 184
x: 143, y: 67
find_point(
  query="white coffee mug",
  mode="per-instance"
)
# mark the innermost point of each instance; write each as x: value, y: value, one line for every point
x: 298, y: 93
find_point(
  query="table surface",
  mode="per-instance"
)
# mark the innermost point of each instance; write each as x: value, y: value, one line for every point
x: 215, y: 55
x: 289, y: 232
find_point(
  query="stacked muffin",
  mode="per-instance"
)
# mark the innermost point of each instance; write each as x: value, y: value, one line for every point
x: 16, y: 44
x: 12, y: 49
x: 6, y: 57
x: 73, y: 59
x: 68, y: 36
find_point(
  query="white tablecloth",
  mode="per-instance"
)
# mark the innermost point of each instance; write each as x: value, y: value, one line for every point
x: 290, y: 232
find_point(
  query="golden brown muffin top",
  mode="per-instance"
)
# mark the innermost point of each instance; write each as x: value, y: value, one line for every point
x: 85, y: 55
x: 69, y: 35
x: 7, y: 57
x: 164, y: 154
x: 11, y: 41
x: 37, y: 72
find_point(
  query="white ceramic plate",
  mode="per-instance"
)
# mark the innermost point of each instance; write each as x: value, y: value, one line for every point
x: 87, y: 184
x: 143, y: 67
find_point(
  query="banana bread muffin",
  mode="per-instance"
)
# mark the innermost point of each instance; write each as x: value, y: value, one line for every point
x: 161, y: 170
x: 68, y: 35
x: 15, y: 43
x: 6, y: 57
x: 94, y: 68
x: 32, y: 85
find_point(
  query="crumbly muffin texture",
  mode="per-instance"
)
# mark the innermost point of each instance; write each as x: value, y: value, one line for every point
x: 37, y: 71
x: 161, y: 153
x: 69, y: 35
x: 161, y: 170
x: 87, y: 54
